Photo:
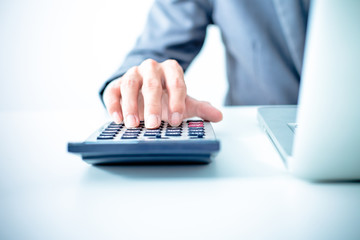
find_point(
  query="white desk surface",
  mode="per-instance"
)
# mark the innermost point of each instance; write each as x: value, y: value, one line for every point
x: 246, y: 193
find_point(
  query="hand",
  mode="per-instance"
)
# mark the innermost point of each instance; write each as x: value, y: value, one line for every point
x: 153, y: 92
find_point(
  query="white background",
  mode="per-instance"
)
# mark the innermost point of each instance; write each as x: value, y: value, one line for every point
x: 54, y: 55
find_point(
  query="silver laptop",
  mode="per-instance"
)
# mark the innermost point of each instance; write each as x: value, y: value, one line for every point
x: 320, y: 138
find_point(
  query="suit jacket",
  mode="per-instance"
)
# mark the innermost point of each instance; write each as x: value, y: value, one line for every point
x: 263, y: 39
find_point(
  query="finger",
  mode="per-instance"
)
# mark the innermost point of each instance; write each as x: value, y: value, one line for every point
x: 203, y: 110
x: 129, y: 88
x: 175, y: 85
x: 112, y: 101
x: 152, y: 92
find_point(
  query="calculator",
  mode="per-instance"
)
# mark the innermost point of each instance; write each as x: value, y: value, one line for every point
x: 193, y: 141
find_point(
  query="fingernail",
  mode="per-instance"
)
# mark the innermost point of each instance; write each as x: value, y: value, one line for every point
x: 176, y: 118
x: 116, y: 117
x: 130, y: 121
x: 152, y: 121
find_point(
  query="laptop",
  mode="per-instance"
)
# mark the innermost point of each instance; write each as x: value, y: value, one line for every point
x: 319, y: 139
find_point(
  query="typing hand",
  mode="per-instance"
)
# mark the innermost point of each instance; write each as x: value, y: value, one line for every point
x: 153, y: 92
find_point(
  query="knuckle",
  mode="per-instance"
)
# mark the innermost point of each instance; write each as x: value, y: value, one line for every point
x: 133, y: 71
x: 149, y: 63
x: 130, y: 82
x: 152, y: 83
x: 172, y: 63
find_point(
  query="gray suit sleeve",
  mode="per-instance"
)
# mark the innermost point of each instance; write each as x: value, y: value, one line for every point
x: 175, y: 29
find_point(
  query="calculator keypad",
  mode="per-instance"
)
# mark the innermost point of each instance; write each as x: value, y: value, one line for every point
x: 110, y: 131
x: 190, y: 129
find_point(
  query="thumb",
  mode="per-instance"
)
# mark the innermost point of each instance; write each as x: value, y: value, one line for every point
x: 202, y: 109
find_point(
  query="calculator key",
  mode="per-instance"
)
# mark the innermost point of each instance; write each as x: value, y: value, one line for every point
x: 159, y: 138
x: 195, y: 134
x: 172, y: 134
x: 135, y: 128
x: 131, y: 134
x: 112, y: 129
x: 132, y: 131
x: 152, y: 130
x: 107, y: 134
x: 110, y: 132
x: 195, y: 128
x: 173, y: 130
x: 105, y: 137
x: 150, y: 134
x: 129, y: 137
x: 196, y: 125
x: 196, y: 131
x: 116, y: 125
x: 194, y: 121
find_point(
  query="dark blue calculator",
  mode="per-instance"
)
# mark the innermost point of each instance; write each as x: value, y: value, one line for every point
x: 193, y: 141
